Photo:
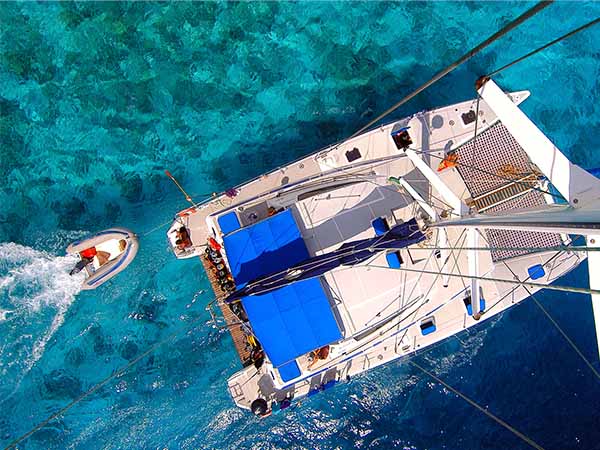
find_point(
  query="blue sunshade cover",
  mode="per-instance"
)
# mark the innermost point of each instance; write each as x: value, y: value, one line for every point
x: 268, y: 246
x: 292, y: 320
x: 229, y: 222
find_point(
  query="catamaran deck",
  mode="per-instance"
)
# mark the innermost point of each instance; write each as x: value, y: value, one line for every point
x: 438, y: 132
x: 335, y: 195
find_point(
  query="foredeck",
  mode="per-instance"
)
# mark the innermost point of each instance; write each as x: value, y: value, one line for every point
x: 500, y: 177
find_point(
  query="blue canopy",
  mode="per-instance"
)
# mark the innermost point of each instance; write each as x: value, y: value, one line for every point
x: 292, y: 321
x: 229, y: 222
x: 268, y: 246
x: 348, y: 254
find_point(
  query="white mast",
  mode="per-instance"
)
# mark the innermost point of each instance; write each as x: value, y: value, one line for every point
x: 551, y: 219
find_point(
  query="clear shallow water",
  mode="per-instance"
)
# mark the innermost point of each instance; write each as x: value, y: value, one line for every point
x: 97, y: 99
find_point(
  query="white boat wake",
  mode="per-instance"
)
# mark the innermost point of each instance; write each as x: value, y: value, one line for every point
x: 35, y: 294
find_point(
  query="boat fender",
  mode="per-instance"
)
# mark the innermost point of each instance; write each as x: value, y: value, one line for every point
x: 257, y: 356
x: 259, y: 407
x: 214, y: 244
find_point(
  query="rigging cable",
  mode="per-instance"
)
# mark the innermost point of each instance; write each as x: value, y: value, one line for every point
x: 122, y: 370
x: 479, y: 407
x: 509, y: 27
x: 559, y: 248
x: 551, y: 319
x: 501, y: 280
x: 549, y: 44
x: 567, y: 338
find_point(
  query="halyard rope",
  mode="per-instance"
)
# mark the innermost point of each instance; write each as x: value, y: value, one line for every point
x: 549, y: 44
x: 567, y: 338
x: 509, y: 27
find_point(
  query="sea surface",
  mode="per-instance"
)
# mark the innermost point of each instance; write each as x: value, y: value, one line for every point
x: 98, y: 99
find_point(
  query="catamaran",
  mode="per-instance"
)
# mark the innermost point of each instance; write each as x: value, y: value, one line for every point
x: 380, y: 246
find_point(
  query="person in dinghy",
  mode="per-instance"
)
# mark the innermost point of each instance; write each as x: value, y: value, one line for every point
x: 87, y: 257
x: 103, y: 255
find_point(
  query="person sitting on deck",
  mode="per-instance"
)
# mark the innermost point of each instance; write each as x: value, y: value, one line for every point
x: 183, y: 239
x: 317, y: 355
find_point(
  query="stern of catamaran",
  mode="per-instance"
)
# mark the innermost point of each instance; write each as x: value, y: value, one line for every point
x: 182, y: 240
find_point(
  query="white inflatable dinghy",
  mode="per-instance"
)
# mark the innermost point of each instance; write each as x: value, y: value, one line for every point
x: 104, y: 254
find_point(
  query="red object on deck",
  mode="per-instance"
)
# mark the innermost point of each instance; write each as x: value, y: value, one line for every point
x: 187, y: 212
x: 451, y: 160
x: 214, y: 244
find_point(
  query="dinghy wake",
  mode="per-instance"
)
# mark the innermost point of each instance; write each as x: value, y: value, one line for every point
x: 35, y: 294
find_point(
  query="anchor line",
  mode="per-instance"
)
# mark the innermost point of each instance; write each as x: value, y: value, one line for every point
x: 565, y: 335
x: 119, y: 372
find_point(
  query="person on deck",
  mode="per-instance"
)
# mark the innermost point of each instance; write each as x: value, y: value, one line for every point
x: 183, y: 239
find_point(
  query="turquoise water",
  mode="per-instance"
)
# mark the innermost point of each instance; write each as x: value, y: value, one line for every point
x: 97, y: 99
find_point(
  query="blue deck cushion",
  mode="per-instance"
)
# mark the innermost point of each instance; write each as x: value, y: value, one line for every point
x: 289, y: 371
x: 393, y: 260
x: 229, y: 222
x: 481, y: 306
x: 292, y: 321
x: 380, y: 226
x: 536, y: 271
x: 268, y: 246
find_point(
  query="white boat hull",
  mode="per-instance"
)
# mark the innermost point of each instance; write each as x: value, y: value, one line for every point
x: 106, y: 239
